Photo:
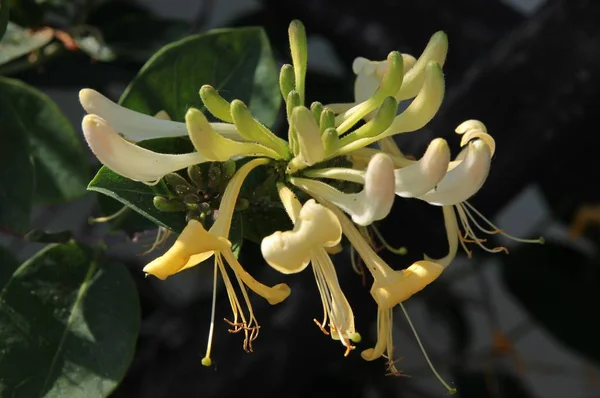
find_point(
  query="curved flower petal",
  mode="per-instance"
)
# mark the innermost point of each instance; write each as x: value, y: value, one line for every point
x: 138, y: 126
x: 422, y: 176
x: 215, y: 147
x: 193, y: 240
x: 464, y: 180
x: 373, y: 203
x: 290, y: 251
x: 130, y: 160
x: 403, y: 284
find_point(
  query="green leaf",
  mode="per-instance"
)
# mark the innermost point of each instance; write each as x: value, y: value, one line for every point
x: 16, y: 169
x: 61, y: 171
x: 558, y: 286
x: 8, y: 265
x: 17, y: 42
x: 3, y: 17
x: 237, y: 62
x: 69, y: 321
x: 139, y: 196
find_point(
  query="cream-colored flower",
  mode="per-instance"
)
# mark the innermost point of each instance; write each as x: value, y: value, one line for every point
x: 315, y: 229
x: 195, y: 244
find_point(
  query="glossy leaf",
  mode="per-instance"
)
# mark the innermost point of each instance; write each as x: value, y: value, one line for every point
x: 559, y: 287
x: 237, y: 62
x: 18, y: 42
x: 61, y: 171
x: 69, y: 321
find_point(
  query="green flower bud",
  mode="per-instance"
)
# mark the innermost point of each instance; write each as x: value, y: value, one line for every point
x: 218, y: 106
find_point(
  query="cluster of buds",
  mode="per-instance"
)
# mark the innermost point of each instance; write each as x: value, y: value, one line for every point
x: 328, y: 148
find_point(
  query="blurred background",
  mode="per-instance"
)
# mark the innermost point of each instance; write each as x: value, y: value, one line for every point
x: 518, y: 325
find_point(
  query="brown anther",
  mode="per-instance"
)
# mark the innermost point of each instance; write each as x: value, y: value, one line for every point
x: 66, y: 39
x: 321, y: 327
x: 237, y: 326
x: 501, y: 345
x: 501, y: 249
x: 349, y: 348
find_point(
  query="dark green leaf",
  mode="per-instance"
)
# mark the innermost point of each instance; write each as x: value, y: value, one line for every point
x: 16, y: 169
x: 493, y: 384
x: 8, y: 265
x: 3, y: 17
x: 68, y: 325
x: 18, y: 42
x: 237, y: 62
x: 61, y: 171
x: 558, y: 286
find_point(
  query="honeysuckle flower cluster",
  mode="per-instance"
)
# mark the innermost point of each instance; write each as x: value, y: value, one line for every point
x: 311, y: 184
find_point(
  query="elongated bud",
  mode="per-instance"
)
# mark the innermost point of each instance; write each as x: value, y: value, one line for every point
x: 252, y: 130
x: 389, y: 87
x: 436, y: 50
x: 309, y: 137
x: 383, y: 119
x: 293, y: 100
x: 299, y: 50
x: 316, y: 108
x: 195, y: 175
x: 218, y: 106
x: 245, y: 123
x: 327, y: 120
x: 330, y: 140
x: 168, y: 205
x: 178, y: 183
x: 287, y: 81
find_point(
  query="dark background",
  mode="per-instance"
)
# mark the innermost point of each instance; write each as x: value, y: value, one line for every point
x: 533, y: 78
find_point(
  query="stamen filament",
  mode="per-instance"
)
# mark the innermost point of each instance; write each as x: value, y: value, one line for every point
x: 206, y: 361
x: 435, y: 372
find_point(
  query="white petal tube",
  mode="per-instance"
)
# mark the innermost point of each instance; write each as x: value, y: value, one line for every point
x: 422, y: 176
x: 138, y: 126
x: 316, y: 227
x: 373, y: 203
x: 464, y: 180
x: 130, y: 160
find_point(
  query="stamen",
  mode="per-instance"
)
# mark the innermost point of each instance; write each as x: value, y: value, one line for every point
x: 162, y: 235
x: 469, y: 232
x: 437, y: 375
x: 400, y: 250
x: 321, y: 327
x: 539, y: 240
x: 206, y: 361
x: 111, y: 217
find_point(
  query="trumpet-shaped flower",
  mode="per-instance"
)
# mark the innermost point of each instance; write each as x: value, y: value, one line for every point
x: 130, y: 160
x: 373, y: 203
x: 465, y: 176
x: 390, y: 288
x: 137, y: 126
x: 195, y: 244
x: 315, y: 229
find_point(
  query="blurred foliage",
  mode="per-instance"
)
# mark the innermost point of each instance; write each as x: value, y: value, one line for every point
x: 70, y: 316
